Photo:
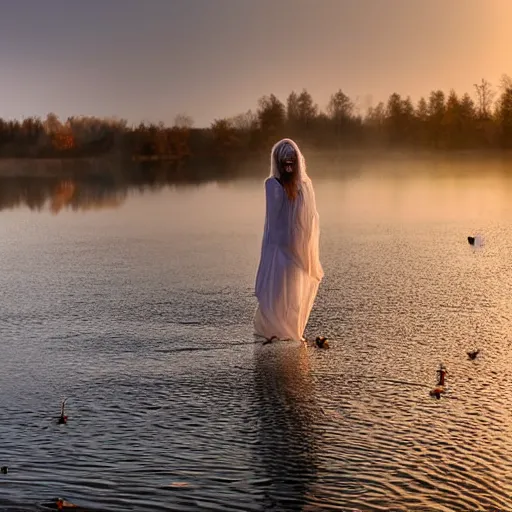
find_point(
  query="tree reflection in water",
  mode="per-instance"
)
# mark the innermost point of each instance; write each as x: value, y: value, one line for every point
x: 58, y: 194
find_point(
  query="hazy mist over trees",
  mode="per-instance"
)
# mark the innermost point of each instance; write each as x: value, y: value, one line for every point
x: 443, y: 121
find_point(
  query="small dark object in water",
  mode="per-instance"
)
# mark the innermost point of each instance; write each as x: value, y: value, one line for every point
x: 321, y: 342
x: 65, y: 505
x: 471, y: 240
x: 61, y: 504
x: 63, y: 419
x: 4, y: 470
x: 270, y: 340
x: 437, y: 392
x: 472, y: 355
x: 439, y: 389
x: 442, y: 374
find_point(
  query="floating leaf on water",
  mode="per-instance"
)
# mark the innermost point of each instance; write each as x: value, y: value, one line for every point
x: 179, y: 484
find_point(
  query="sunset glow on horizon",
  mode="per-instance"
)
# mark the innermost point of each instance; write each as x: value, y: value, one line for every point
x: 149, y: 61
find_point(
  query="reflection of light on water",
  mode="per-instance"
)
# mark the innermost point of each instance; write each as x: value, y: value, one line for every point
x: 398, y: 298
x: 56, y: 194
x: 69, y: 194
x: 62, y: 196
x: 286, y: 414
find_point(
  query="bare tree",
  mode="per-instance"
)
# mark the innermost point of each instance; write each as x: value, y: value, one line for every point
x: 505, y: 82
x: 183, y: 121
x: 245, y: 121
x: 485, y: 96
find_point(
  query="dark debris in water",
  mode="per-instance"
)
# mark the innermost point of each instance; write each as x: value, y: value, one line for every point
x: 321, y: 342
x: 63, y: 419
x: 472, y: 354
x: 61, y: 504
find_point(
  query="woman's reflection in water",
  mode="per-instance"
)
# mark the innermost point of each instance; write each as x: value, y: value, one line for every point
x: 287, y: 441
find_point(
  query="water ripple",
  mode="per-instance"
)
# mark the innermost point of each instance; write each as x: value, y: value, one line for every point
x: 173, y: 406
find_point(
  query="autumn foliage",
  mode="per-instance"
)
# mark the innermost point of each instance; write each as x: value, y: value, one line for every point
x: 441, y: 121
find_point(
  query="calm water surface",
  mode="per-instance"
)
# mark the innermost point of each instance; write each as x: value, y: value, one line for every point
x: 138, y: 308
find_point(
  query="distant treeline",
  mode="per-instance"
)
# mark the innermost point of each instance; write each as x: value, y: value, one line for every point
x: 443, y: 121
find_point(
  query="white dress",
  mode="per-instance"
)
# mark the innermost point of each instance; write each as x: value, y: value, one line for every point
x: 289, y: 272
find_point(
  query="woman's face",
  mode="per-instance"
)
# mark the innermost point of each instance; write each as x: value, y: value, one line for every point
x: 289, y: 165
x: 286, y: 159
x: 288, y: 168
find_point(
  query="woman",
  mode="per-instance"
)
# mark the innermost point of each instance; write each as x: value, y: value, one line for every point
x: 290, y: 271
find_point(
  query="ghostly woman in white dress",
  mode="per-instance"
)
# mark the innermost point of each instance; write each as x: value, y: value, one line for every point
x: 290, y: 271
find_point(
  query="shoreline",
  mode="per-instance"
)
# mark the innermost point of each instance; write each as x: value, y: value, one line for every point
x: 57, y: 167
x: 119, y: 166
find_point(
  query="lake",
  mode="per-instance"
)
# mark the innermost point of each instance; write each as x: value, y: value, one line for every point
x: 136, y: 304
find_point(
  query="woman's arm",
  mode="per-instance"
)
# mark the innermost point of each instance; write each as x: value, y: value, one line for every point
x: 274, y: 200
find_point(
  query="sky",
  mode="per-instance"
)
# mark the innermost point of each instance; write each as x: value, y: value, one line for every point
x: 150, y: 60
